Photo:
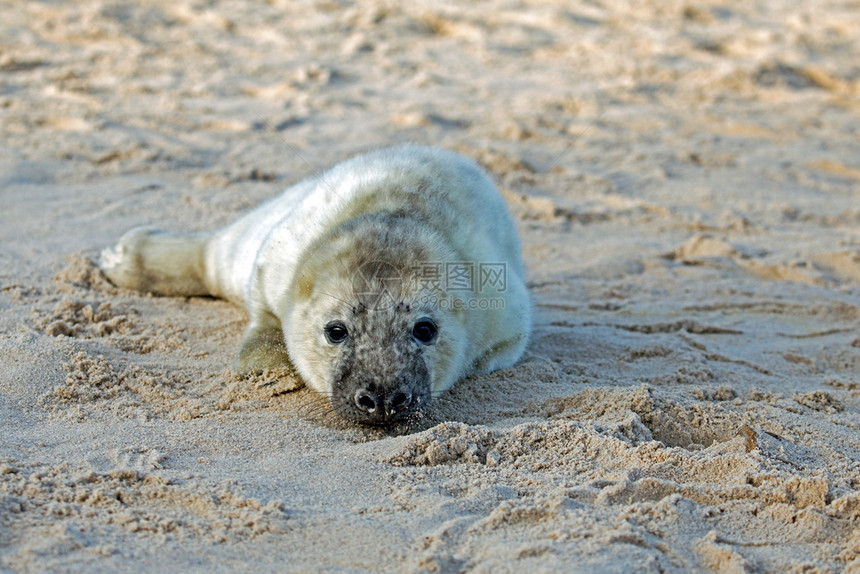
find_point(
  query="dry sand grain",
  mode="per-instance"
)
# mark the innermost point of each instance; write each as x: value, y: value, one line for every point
x: 686, y: 180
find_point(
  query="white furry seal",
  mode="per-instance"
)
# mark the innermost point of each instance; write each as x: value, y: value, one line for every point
x: 383, y: 280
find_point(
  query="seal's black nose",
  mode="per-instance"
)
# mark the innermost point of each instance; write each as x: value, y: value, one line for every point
x: 366, y: 401
x: 399, y: 402
x: 382, y: 407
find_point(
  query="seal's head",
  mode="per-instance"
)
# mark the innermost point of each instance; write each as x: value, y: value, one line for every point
x: 368, y: 332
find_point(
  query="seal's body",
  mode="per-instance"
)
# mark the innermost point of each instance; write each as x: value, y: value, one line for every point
x: 383, y: 280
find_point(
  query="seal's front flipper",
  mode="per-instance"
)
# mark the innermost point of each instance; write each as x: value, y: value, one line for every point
x: 263, y: 348
x: 163, y: 263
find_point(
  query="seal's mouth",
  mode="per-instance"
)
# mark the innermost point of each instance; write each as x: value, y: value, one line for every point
x: 380, y: 407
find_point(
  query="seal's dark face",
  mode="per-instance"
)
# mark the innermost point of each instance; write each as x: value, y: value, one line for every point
x: 381, y: 374
x: 372, y: 336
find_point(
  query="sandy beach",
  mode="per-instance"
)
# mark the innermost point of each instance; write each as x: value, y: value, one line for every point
x: 685, y: 178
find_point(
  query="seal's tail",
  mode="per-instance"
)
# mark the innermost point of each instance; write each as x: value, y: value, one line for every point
x: 160, y: 262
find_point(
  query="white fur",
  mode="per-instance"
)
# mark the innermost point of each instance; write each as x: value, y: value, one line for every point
x: 257, y: 261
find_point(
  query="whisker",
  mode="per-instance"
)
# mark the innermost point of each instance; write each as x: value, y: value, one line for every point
x: 442, y: 397
x: 337, y: 299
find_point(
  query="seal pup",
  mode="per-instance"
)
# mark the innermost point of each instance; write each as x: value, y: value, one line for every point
x: 382, y: 281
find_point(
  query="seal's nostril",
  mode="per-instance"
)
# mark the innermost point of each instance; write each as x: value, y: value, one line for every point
x: 401, y: 401
x: 365, y: 401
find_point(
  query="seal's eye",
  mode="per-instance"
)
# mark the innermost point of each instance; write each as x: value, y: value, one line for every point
x: 424, y: 331
x: 335, y: 332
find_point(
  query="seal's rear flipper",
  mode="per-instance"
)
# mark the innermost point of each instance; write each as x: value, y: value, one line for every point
x: 160, y: 262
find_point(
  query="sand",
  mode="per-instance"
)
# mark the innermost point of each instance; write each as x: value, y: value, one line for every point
x: 686, y: 182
